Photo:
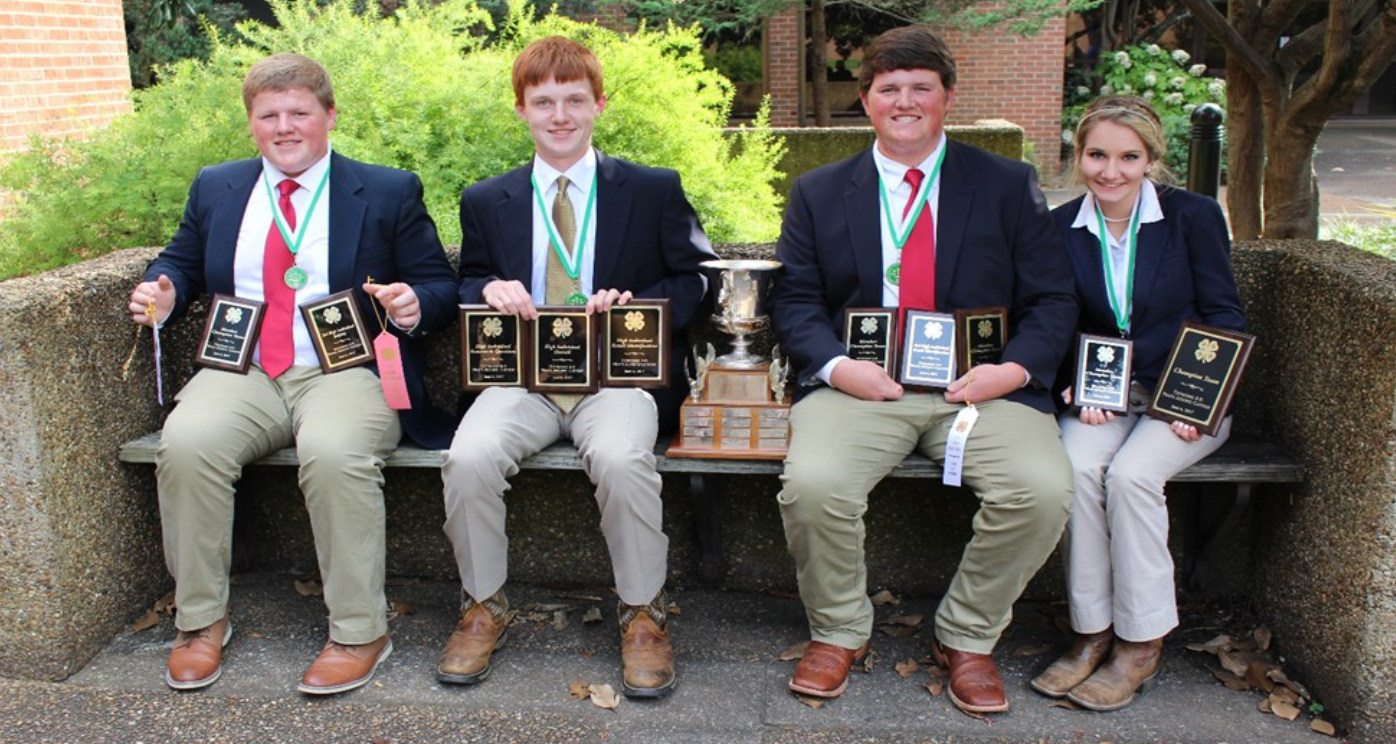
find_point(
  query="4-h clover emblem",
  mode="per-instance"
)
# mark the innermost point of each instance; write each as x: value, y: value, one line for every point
x: 986, y: 329
x: 1206, y: 350
x: 232, y: 315
x: 634, y: 320
x: 869, y: 325
x: 492, y: 327
x: 333, y: 316
x: 1105, y: 354
x: 562, y: 327
x: 934, y: 330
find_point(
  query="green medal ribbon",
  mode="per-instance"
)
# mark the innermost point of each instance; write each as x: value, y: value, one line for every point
x: 1120, y: 307
x: 573, y: 264
x: 894, y: 271
x: 295, y: 277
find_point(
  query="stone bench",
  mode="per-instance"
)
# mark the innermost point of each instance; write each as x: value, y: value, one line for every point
x: 1240, y: 462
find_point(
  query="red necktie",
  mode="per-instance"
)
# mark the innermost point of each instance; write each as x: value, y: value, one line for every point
x: 278, y: 348
x: 917, y: 283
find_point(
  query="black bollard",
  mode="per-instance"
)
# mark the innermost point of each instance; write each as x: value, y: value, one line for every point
x: 1204, y: 152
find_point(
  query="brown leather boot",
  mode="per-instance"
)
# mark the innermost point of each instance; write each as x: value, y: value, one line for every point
x: 483, y: 627
x: 645, y: 651
x: 196, y: 660
x: 342, y: 667
x: 823, y: 669
x: 1132, y: 665
x: 975, y: 685
x: 1076, y: 665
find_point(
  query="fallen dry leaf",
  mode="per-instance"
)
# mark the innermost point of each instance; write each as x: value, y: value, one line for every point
x: 1213, y: 646
x: 1231, y: 681
x: 581, y: 597
x: 1032, y: 649
x: 604, y: 696
x: 1262, y: 637
x: 1256, y: 676
x: 1066, y: 704
x: 885, y: 597
x: 309, y: 588
x: 868, y: 662
x: 166, y: 604
x: 909, y: 621
x: 402, y: 607
x: 1231, y: 663
x: 1279, y: 677
x: 560, y: 620
x: 812, y: 702
x: 1284, y: 694
x: 380, y: 741
x: 592, y: 615
x: 1283, y: 710
x: 1323, y: 727
x: 907, y: 668
x: 1264, y: 706
x: 935, y: 685
x: 147, y: 621
x: 548, y: 608
x: 794, y: 652
x: 579, y: 690
x: 255, y: 634
x: 674, y: 609
x: 899, y: 631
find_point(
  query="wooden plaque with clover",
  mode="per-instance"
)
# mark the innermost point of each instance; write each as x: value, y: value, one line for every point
x: 562, y: 351
x: 338, y: 332
x: 635, y: 345
x: 493, y: 348
x: 230, y: 333
x: 870, y: 335
x: 983, y: 335
x: 1200, y: 379
x: 1103, y: 372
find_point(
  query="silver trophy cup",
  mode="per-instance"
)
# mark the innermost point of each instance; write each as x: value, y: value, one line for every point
x: 741, y: 307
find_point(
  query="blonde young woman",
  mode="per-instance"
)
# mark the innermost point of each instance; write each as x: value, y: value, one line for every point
x: 1146, y: 257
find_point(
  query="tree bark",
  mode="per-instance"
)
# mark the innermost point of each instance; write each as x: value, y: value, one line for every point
x: 1291, y: 186
x: 1245, y: 153
x: 819, y: 63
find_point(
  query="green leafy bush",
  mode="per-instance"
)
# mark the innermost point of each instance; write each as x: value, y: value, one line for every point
x: 1372, y: 235
x: 738, y: 63
x: 154, y: 38
x: 417, y: 90
x: 1163, y: 77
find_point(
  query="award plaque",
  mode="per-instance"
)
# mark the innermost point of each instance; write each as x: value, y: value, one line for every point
x: 928, y: 350
x: 230, y: 333
x: 983, y: 334
x: 338, y: 332
x: 1200, y: 379
x: 1102, y: 372
x: 562, y: 351
x: 870, y: 335
x: 635, y: 345
x: 492, y: 348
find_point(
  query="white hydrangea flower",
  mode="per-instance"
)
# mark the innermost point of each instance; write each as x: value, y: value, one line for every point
x: 1197, y: 70
x: 1181, y: 57
x: 1173, y: 99
x: 1188, y: 107
x: 1082, y: 90
x: 1216, y: 89
x: 1126, y: 90
x: 1150, y: 79
x: 1154, y: 50
x: 1106, y: 90
x: 1148, y: 95
x: 1178, y: 82
x: 1066, y: 136
x: 1122, y: 59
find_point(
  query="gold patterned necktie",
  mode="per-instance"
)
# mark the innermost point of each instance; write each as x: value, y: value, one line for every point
x: 559, y: 285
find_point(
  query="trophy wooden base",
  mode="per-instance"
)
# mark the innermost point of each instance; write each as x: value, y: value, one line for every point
x: 734, y: 417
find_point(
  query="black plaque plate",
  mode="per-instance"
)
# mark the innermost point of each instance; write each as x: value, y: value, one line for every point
x: 870, y: 335
x: 927, y: 350
x: 562, y: 351
x: 230, y: 333
x: 494, y: 348
x: 1103, y: 372
x: 1198, y: 383
x: 338, y: 332
x: 635, y: 345
x: 983, y: 334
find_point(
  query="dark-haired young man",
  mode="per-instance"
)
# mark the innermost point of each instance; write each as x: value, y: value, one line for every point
x: 919, y: 222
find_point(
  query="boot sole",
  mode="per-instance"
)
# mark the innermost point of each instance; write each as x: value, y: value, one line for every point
x: 353, y: 684
x: 199, y: 684
x: 1143, y: 686
x: 478, y: 677
x: 650, y: 692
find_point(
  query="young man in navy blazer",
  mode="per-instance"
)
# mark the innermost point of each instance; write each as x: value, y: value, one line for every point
x: 919, y: 222
x: 574, y: 226
x: 339, y: 223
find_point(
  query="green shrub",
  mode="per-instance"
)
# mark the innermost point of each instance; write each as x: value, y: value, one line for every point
x: 416, y: 91
x: 738, y: 63
x: 1371, y: 235
x: 1159, y: 75
x: 152, y: 40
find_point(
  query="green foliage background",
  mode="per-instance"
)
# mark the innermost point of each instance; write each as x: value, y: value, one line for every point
x: 421, y: 90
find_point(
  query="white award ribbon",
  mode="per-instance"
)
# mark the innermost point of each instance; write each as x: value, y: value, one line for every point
x: 955, y: 445
x: 150, y: 311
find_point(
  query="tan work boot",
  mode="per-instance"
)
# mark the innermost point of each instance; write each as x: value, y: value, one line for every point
x: 1076, y: 665
x: 1132, y: 665
x: 483, y: 627
x: 645, y: 650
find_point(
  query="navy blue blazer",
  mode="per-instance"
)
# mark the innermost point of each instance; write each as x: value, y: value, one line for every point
x: 995, y: 246
x: 645, y: 244
x: 1182, y: 271
x: 378, y: 226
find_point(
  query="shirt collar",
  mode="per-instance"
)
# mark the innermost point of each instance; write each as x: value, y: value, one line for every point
x: 894, y: 173
x: 1147, y: 202
x: 580, y: 174
x: 308, y: 180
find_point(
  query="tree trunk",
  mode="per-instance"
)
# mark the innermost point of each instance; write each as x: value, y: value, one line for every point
x: 1245, y: 153
x: 1109, y: 40
x: 819, y: 63
x: 1291, y: 186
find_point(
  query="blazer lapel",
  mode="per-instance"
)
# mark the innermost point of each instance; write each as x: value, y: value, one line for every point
x: 956, y: 197
x: 515, y: 224
x: 609, y: 222
x: 865, y: 229
x: 225, y: 224
x: 1150, y: 246
x: 347, y: 210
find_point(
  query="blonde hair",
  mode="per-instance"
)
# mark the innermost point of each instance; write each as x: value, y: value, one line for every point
x: 1139, y: 117
x: 286, y: 71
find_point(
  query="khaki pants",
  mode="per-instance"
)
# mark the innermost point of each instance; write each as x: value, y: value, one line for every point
x: 841, y: 447
x: 614, y: 431
x: 1118, y: 568
x: 342, y: 430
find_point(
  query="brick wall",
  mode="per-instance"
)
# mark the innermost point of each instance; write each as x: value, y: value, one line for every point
x: 63, y: 68
x: 1000, y: 77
